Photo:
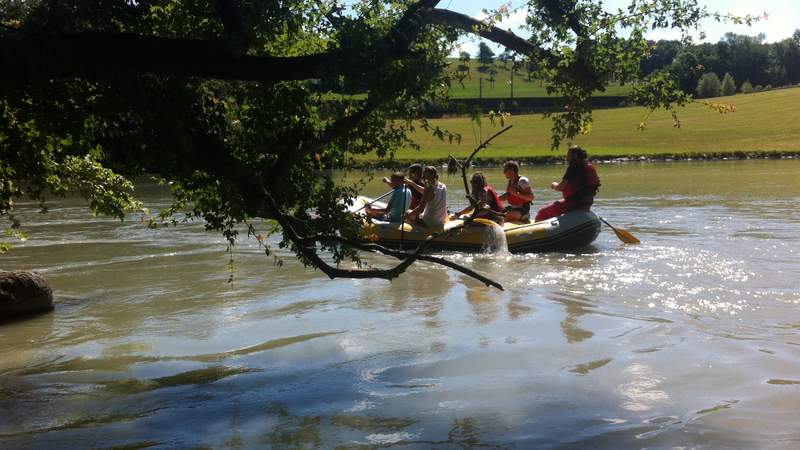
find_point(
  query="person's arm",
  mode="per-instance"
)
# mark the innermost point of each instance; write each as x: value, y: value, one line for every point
x: 526, y: 193
x: 427, y: 195
x: 462, y: 212
x: 415, y: 186
x: 556, y: 186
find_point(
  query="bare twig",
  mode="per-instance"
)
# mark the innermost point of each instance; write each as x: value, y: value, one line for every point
x: 466, y: 164
x: 372, y: 247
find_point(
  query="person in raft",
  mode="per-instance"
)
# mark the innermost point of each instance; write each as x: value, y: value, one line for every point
x: 432, y: 209
x: 578, y: 187
x: 398, y: 203
x: 487, y: 197
x: 415, y: 183
x: 519, y: 194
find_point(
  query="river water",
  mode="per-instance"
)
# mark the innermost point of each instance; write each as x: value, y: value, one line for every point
x: 691, y: 339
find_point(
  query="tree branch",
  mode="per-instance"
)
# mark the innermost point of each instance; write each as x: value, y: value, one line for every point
x: 465, y: 165
x: 506, y: 38
x: 27, y: 57
x: 309, y: 251
x: 372, y: 247
x: 98, y: 54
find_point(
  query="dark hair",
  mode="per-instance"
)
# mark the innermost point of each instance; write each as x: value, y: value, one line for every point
x: 511, y: 165
x: 579, y: 152
x: 416, y: 167
x: 432, y: 170
x: 478, y: 178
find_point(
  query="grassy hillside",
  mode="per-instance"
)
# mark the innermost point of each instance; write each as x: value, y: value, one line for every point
x: 765, y: 121
x: 502, y: 85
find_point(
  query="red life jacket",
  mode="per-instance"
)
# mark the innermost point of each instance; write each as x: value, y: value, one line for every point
x: 491, y: 193
x: 513, y: 199
x: 583, y: 189
x: 415, y: 197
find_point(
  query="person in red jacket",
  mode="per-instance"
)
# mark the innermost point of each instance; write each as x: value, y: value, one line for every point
x: 487, y: 197
x: 519, y: 194
x: 578, y: 187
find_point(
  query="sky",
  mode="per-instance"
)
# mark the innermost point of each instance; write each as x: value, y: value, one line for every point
x: 783, y: 18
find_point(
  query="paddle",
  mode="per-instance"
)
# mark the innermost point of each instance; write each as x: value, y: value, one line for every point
x: 622, y: 234
x: 373, y: 201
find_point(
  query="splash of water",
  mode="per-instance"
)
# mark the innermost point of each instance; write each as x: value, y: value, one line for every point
x: 494, y: 240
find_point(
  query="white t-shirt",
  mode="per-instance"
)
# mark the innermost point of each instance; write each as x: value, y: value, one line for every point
x: 435, y: 213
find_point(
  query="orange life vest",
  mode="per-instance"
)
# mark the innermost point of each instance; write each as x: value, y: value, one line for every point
x: 513, y: 199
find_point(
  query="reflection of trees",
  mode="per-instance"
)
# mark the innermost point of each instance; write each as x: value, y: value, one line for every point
x: 485, y: 304
x: 422, y: 290
x: 294, y: 431
x: 575, y: 307
x: 516, y: 308
x: 306, y: 432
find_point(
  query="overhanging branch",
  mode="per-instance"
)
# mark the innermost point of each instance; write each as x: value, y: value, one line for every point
x: 307, y: 248
x: 27, y: 57
x: 445, y: 17
x: 98, y: 54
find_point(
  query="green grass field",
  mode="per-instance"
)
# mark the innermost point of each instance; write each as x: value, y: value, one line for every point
x: 766, y: 121
x: 502, y: 84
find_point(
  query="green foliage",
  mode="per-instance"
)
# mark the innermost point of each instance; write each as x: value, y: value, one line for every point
x: 746, y: 87
x: 223, y: 145
x: 728, y: 85
x: 708, y: 86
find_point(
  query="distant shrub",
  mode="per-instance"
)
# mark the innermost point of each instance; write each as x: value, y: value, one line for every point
x: 758, y: 88
x: 746, y: 87
x: 767, y: 87
x: 708, y: 86
x: 728, y: 85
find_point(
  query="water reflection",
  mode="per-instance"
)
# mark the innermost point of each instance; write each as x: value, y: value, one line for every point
x: 422, y: 290
x: 484, y: 301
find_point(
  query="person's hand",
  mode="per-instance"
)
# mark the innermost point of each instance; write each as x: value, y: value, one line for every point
x: 553, y: 185
x: 407, y: 181
x: 386, y: 180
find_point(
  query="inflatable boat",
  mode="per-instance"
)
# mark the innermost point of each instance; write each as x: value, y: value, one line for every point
x: 571, y: 230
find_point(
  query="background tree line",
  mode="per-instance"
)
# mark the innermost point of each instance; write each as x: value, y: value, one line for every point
x: 749, y: 62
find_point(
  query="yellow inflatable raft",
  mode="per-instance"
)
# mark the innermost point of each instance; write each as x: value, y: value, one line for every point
x: 572, y: 230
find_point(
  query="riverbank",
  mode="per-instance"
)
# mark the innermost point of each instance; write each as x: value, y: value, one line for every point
x: 601, y: 159
x: 764, y: 125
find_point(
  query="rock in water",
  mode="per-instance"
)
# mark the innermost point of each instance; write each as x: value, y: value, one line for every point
x: 23, y: 293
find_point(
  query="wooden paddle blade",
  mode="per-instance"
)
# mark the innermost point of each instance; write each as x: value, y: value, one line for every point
x: 622, y: 233
x: 626, y: 236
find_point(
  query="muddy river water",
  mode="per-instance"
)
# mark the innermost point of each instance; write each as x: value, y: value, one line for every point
x: 691, y: 339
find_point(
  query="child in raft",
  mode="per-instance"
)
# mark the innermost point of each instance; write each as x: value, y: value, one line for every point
x: 415, y: 183
x: 578, y: 186
x: 487, y: 198
x: 398, y: 203
x: 519, y: 194
x: 432, y: 209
